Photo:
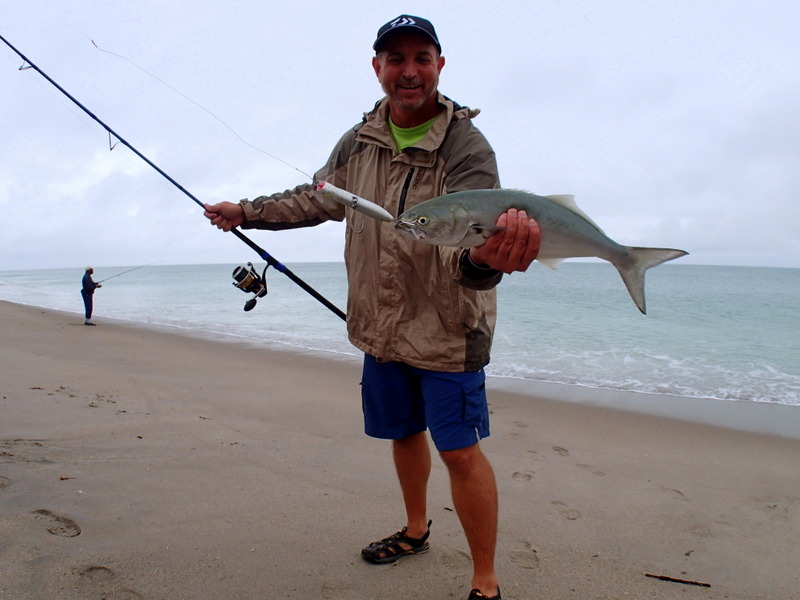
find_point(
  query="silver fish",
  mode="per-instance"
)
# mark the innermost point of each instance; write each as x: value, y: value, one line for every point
x: 466, y: 219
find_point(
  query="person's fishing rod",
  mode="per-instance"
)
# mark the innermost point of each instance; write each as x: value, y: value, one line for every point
x: 270, y: 260
x: 128, y: 271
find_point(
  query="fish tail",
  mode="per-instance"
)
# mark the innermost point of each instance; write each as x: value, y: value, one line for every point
x: 634, y: 265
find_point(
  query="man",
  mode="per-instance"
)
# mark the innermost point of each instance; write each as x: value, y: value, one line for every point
x: 87, y: 292
x: 423, y: 315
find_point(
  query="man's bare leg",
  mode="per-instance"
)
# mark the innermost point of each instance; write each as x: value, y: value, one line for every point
x: 412, y: 459
x: 475, y: 497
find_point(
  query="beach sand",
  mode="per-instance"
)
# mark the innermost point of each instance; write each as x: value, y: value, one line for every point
x: 137, y: 463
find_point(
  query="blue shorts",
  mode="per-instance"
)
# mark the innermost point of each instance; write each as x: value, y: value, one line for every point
x: 399, y: 401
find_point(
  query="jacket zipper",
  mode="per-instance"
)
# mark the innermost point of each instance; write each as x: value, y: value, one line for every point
x: 401, y: 207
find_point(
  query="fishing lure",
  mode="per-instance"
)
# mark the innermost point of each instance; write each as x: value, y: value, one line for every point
x: 357, y: 203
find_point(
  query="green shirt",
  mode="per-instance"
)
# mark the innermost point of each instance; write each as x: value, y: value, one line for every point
x: 405, y: 138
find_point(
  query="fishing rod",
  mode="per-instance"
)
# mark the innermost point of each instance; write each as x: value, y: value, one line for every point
x: 249, y: 279
x: 128, y: 271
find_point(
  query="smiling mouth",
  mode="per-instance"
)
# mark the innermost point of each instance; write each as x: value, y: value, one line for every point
x: 409, y: 86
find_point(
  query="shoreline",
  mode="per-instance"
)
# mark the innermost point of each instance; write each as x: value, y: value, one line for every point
x: 140, y: 464
x: 754, y: 417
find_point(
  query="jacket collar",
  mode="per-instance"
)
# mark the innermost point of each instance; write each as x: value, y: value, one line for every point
x: 375, y: 129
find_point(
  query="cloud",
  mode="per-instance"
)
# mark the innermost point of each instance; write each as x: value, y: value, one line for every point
x: 674, y: 124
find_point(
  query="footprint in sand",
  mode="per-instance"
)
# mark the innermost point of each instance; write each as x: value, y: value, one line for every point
x: 455, y: 561
x: 522, y: 475
x: 525, y: 559
x: 536, y: 455
x: 570, y: 514
x: 58, y: 525
x: 4, y: 482
x: 337, y: 589
x: 102, y: 582
x: 561, y: 451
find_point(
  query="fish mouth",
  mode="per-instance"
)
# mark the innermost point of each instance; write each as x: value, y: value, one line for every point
x: 409, y: 229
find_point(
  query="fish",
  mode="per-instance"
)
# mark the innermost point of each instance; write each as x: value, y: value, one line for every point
x: 465, y: 219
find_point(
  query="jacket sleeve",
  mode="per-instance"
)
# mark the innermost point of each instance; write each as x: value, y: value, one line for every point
x: 301, y: 206
x: 470, y: 165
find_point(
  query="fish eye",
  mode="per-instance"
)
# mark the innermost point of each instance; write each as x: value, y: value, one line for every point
x: 423, y: 220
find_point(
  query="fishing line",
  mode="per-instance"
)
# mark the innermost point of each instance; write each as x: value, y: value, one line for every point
x: 271, y: 261
x: 203, y: 108
x: 67, y: 106
x: 339, y: 195
x: 128, y: 271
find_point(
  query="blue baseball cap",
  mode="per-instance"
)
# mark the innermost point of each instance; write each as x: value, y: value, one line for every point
x: 406, y: 22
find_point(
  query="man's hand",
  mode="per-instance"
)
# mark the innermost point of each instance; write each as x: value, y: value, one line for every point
x: 225, y: 215
x: 512, y: 249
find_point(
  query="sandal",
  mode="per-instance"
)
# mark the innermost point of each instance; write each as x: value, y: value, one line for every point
x: 389, y: 549
x: 478, y: 595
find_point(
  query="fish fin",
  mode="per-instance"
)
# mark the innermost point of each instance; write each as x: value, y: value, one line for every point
x: 551, y: 262
x: 637, y: 261
x: 568, y: 202
x: 479, y: 229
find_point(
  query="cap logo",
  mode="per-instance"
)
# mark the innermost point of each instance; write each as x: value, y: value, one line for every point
x: 402, y: 21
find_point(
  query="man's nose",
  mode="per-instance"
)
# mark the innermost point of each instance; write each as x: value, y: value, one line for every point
x: 410, y: 70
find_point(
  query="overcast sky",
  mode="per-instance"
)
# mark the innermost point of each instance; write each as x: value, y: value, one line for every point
x: 674, y: 123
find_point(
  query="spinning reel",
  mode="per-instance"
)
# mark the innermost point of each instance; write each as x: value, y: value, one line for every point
x: 250, y: 282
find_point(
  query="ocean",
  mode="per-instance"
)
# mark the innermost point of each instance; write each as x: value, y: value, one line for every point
x: 711, y: 332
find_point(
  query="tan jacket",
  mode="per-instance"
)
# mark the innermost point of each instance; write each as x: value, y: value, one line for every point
x: 423, y: 305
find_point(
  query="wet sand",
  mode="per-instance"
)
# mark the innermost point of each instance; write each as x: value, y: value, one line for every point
x: 137, y: 463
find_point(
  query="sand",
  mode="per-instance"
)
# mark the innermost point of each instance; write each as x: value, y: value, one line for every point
x: 137, y: 463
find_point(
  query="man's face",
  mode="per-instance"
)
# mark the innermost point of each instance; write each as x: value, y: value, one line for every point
x: 408, y: 70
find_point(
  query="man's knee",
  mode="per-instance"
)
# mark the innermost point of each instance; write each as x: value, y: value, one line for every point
x: 462, y: 460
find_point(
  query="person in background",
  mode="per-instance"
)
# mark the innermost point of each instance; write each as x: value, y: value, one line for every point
x: 423, y: 315
x: 88, y: 287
